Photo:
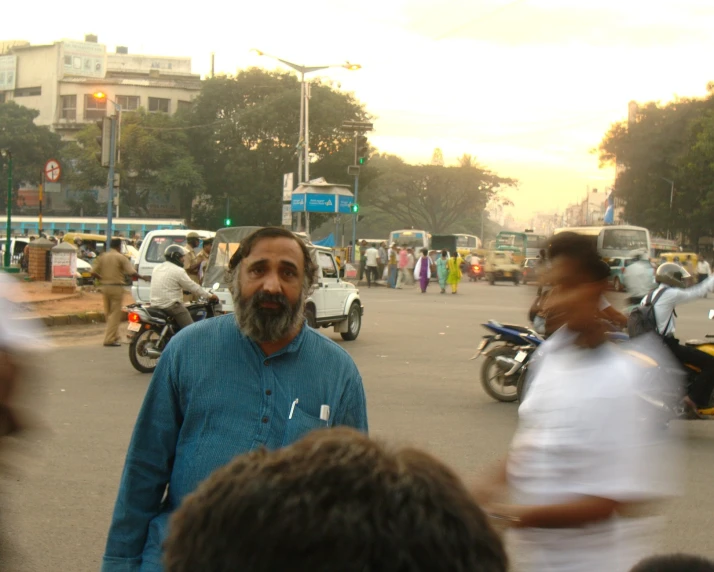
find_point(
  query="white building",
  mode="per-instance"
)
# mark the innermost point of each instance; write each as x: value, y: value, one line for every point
x: 59, y: 79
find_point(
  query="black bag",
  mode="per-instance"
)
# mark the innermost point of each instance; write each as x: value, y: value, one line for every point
x: 642, y: 319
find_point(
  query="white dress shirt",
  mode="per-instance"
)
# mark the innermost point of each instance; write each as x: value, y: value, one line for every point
x: 371, y: 255
x: 664, y: 308
x: 639, y: 278
x: 580, y: 435
x: 168, y: 283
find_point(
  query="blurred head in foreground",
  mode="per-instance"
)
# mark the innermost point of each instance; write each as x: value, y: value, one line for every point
x: 675, y: 563
x: 579, y: 278
x: 334, y: 500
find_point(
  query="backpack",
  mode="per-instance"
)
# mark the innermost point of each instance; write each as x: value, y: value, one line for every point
x: 642, y: 319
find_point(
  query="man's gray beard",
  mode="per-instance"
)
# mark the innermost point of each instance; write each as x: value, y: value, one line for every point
x: 262, y: 325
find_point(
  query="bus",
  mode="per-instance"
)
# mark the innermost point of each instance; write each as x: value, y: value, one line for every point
x: 416, y: 239
x: 619, y: 241
x: 660, y: 245
x: 522, y: 244
x: 465, y: 243
x: 27, y: 225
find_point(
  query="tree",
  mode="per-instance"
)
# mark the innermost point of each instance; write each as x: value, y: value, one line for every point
x: 246, y: 138
x: 31, y: 145
x: 655, y: 147
x: 154, y: 158
x: 432, y: 197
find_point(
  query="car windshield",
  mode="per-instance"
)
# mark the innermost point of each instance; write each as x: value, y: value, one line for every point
x: 158, y: 244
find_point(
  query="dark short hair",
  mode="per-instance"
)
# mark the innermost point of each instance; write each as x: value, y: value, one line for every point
x: 247, y: 244
x: 333, y: 501
x: 674, y: 563
x: 425, y: 251
x: 583, y: 250
x: 115, y: 243
x: 208, y: 240
x: 444, y: 252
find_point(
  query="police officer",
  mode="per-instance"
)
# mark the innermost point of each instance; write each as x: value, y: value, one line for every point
x: 203, y: 256
x: 111, y: 269
x: 190, y: 261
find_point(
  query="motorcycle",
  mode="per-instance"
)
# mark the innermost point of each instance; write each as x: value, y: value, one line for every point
x: 152, y: 328
x: 506, y: 362
x: 475, y: 271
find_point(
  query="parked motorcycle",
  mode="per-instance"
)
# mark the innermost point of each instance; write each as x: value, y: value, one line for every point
x: 506, y: 362
x: 152, y: 328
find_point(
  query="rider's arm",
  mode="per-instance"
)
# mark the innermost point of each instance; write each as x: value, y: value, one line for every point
x: 147, y: 469
x: 189, y: 285
x: 684, y: 295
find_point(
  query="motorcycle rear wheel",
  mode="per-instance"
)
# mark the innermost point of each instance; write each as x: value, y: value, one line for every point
x: 493, y: 378
x: 137, y: 351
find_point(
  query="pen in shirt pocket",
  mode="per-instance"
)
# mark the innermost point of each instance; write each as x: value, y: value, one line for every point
x: 325, y: 414
x: 292, y: 409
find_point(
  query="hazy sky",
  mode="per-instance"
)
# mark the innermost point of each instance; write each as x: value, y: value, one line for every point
x: 528, y: 86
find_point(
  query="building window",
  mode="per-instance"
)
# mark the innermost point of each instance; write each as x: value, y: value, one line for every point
x: 94, y: 109
x: 128, y: 102
x: 184, y: 106
x: 157, y: 104
x: 28, y: 91
x: 68, y: 107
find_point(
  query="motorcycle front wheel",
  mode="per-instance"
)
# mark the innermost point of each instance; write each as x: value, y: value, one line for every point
x: 137, y: 350
x: 493, y: 376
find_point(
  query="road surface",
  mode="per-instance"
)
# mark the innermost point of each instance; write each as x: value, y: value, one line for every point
x: 422, y: 389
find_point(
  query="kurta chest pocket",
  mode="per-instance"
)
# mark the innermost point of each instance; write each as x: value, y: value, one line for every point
x: 300, y: 424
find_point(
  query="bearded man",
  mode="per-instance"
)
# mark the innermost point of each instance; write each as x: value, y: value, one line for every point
x: 227, y: 386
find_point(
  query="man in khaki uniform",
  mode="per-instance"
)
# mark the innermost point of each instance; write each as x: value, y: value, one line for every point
x: 191, y: 262
x: 203, y: 256
x: 111, y: 268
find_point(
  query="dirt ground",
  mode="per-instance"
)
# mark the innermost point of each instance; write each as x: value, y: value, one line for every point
x: 38, y: 297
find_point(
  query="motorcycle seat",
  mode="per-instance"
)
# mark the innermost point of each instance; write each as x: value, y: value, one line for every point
x: 156, y: 312
x: 694, y: 343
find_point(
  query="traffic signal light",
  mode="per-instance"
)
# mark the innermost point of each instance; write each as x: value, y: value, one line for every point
x: 354, y: 208
x: 362, y: 150
x: 227, y: 222
x: 104, y: 140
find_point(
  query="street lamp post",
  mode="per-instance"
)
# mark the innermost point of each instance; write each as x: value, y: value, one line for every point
x: 113, y: 142
x: 304, y: 132
x: 8, y: 154
x: 671, y: 201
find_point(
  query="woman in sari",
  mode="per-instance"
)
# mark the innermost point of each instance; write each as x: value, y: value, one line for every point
x: 454, y: 267
x: 442, y: 270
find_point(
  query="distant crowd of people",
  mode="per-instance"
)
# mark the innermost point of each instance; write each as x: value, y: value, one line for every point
x: 401, y: 266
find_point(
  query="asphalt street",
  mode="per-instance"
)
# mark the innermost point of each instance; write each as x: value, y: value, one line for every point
x: 413, y: 353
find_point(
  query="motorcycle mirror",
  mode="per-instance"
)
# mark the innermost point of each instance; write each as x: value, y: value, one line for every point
x: 711, y: 314
x: 217, y: 285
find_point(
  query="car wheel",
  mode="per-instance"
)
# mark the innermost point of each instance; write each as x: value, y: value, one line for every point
x: 354, y: 322
x: 310, y: 316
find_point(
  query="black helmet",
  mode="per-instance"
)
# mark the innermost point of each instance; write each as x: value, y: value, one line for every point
x: 175, y: 254
x: 671, y: 274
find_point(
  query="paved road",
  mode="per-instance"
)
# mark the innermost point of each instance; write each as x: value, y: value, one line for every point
x: 413, y: 354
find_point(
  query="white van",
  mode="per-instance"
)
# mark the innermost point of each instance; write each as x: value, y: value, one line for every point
x: 151, y: 254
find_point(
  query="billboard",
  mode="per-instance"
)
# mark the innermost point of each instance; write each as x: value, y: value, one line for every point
x: 85, y: 59
x: 8, y: 67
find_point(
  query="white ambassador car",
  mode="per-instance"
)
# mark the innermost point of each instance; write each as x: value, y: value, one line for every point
x: 333, y: 303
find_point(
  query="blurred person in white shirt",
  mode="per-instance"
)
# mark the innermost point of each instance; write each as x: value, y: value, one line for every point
x: 639, y: 279
x: 372, y: 264
x: 704, y: 271
x: 168, y: 283
x: 582, y: 461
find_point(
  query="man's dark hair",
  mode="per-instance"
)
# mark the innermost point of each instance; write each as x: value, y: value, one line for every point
x: 333, y: 501
x: 583, y: 250
x: 674, y: 563
x: 115, y: 243
x: 374, y: 245
x: 425, y: 251
x: 252, y: 239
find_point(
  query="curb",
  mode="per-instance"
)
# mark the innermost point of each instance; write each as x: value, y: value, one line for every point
x: 81, y: 319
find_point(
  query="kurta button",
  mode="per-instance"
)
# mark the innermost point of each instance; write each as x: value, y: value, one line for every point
x: 268, y: 392
x: 265, y: 362
x: 265, y: 419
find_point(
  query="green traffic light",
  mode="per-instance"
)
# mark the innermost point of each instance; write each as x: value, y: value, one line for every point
x: 354, y: 208
x: 227, y: 222
x: 362, y: 160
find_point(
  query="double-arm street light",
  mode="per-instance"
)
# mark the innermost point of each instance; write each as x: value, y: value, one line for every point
x: 115, y: 122
x: 7, y: 154
x: 304, y: 136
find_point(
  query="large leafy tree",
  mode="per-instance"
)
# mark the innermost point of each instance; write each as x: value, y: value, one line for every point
x: 437, y: 198
x: 154, y: 157
x: 663, y: 143
x: 31, y: 145
x: 246, y: 138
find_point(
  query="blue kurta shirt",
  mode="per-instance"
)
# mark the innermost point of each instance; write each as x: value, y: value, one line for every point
x: 215, y: 395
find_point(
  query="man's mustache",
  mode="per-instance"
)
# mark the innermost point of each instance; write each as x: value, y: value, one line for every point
x: 262, y: 297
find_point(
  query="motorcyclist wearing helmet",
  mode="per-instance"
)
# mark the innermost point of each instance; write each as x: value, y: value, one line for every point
x: 168, y: 283
x: 671, y: 277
